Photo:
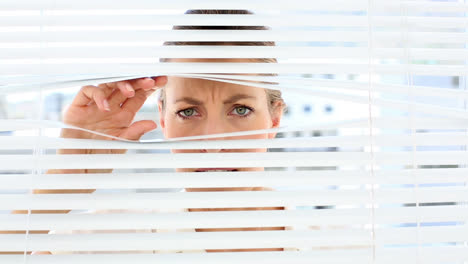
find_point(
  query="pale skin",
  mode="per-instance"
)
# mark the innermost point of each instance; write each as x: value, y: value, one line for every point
x: 192, y: 107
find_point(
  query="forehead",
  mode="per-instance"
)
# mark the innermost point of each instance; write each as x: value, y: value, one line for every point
x: 178, y: 86
x: 200, y: 88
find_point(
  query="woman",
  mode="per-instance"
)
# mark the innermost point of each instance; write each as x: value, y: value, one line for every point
x: 187, y: 107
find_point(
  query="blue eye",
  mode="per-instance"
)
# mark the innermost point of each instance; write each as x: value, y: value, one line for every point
x: 241, y: 110
x: 187, y: 112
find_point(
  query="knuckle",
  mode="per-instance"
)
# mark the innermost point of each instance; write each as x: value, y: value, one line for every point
x: 112, y: 85
x: 122, y: 84
x: 88, y: 89
x: 103, y: 86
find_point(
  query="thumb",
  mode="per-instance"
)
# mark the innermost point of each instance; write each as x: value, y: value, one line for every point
x: 136, y: 130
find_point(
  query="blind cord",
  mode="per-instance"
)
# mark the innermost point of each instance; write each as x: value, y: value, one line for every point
x: 409, y: 82
x: 371, y: 132
x: 465, y: 105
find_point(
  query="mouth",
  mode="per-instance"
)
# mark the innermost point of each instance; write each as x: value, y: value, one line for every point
x: 215, y: 170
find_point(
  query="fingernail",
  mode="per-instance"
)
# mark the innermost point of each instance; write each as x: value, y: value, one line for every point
x: 128, y: 87
x: 106, y: 105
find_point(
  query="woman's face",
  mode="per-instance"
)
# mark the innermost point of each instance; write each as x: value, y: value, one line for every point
x: 200, y: 107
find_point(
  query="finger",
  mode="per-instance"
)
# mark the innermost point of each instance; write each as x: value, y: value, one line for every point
x: 138, y: 129
x: 160, y: 81
x: 135, y: 103
x: 117, y: 98
x: 143, y: 83
x: 125, y: 87
x: 89, y: 94
x: 147, y: 84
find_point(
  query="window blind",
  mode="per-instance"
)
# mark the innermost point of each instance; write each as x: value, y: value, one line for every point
x: 384, y: 180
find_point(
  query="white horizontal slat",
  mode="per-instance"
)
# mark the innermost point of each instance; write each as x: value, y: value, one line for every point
x: 417, y: 139
x: 189, y: 160
x: 423, y: 235
x: 225, y: 68
x: 387, y: 122
x: 31, y: 83
x: 230, y: 52
x: 234, y: 20
x: 174, y: 241
x: 228, y: 199
x: 192, y: 20
x: 428, y: 255
x: 231, y: 160
x: 332, y: 257
x: 168, y: 220
x: 125, y: 36
x: 21, y: 124
x: 196, y: 258
x: 408, y: 21
x: 338, y: 5
x: 173, y: 200
x: 418, y: 123
x: 186, y: 4
x: 180, y: 52
x: 312, y: 178
x: 233, y: 219
x: 403, y: 6
x: 420, y: 195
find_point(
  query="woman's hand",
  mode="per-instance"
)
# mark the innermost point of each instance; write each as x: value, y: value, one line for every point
x: 110, y: 109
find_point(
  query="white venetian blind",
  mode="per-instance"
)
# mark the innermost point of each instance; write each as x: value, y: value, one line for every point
x: 383, y: 180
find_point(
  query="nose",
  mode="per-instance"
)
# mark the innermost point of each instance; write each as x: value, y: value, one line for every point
x: 214, y: 127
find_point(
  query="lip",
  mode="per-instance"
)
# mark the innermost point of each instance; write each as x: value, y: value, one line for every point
x: 215, y: 169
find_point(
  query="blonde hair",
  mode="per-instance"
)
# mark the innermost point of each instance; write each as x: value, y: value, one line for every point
x: 274, y: 97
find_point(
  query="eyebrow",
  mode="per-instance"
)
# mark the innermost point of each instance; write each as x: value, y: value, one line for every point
x: 189, y: 100
x: 230, y: 100
x: 238, y: 97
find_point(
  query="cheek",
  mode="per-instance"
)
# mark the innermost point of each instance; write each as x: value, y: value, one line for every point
x: 259, y: 120
x: 175, y: 128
